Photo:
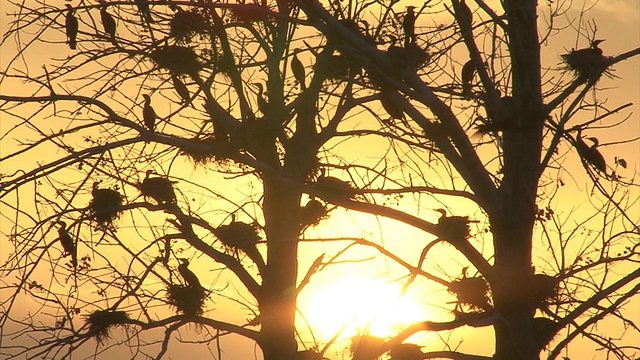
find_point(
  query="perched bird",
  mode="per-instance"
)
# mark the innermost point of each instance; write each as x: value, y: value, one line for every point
x: 587, y: 63
x: 453, y: 227
x: 143, y: 9
x: 148, y: 114
x: 263, y: 105
x: 591, y: 154
x: 67, y: 243
x: 409, y: 26
x: 463, y: 13
x: 181, y: 89
x: 71, y: 25
x: 298, y: 69
x: 159, y: 189
x: 108, y: 23
x: 189, y: 277
x: 468, y: 70
x: 389, y: 106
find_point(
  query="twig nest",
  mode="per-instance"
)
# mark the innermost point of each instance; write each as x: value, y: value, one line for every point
x: 101, y: 321
x: 204, y: 151
x: 248, y: 13
x: 405, y: 352
x: 177, y: 59
x: 365, y: 347
x: 407, y: 59
x: 238, y: 235
x: 471, y: 292
x: 105, y: 207
x: 544, y: 331
x: 312, y: 213
x: 543, y: 288
x: 159, y: 189
x: 187, y: 299
x: 187, y: 24
x: 334, y: 189
x: 587, y: 63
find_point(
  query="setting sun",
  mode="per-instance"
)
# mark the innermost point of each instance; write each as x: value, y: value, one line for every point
x: 358, y: 303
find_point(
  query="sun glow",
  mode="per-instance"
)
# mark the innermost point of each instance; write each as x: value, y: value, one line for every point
x: 358, y: 303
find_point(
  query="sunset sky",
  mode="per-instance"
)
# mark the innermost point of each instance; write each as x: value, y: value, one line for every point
x: 362, y: 290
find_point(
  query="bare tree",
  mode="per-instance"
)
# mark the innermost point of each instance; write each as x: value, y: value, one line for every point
x: 245, y: 120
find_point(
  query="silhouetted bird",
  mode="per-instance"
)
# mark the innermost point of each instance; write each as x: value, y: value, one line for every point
x: 189, y: 277
x: 148, y: 114
x: 181, y: 89
x: 298, y: 69
x: 468, y: 70
x: 463, y: 13
x: 159, y: 189
x: 143, y: 9
x: 591, y: 154
x: 71, y: 25
x: 588, y: 63
x: 105, y: 206
x: 389, y: 105
x: 453, y: 227
x: 263, y: 105
x: 67, y: 243
x: 409, y: 26
x: 334, y: 189
x: 108, y: 23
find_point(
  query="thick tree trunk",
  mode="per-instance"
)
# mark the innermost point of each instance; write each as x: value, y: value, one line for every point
x: 278, y: 296
x: 513, y: 224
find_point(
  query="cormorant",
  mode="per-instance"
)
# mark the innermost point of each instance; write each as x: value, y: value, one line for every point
x: 409, y: 26
x: 263, y: 105
x: 591, y: 154
x: 71, y: 25
x: 143, y: 9
x: 298, y: 69
x: 108, y: 23
x: 181, y: 89
x: 463, y: 13
x: 148, y: 114
x: 389, y: 106
x: 67, y: 243
x: 454, y: 227
x: 189, y: 277
x: 468, y: 69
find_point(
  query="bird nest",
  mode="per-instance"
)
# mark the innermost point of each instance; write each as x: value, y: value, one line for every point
x: 312, y: 213
x: 407, y: 59
x: 454, y: 227
x: 204, y: 151
x: 177, y: 59
x: 238, y: 235
x: 472, y: 292
x: 248, y: 13
x: 101, y: 321
x: 186, y: 299
x: 187, y: 24
x: 159, y: 189
x: 543, y: 288
x: 367, y: 347
x: 105, y: 207
x: 587, y: 63
x: 333, y: 67
x: 334, y: 189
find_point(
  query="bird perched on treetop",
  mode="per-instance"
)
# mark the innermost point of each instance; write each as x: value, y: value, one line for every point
x: 181, y: 89
x: 108, y: 23
x: 71, y: 25
x: 148, y: 114
x: 591, y: 154
x: 468, y: 69
x: 409, y: 26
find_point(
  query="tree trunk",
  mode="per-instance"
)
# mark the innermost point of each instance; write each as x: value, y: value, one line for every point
x: 278, y: 296
x: 513, y: 224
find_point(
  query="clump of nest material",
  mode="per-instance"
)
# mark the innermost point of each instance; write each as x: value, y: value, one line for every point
x: 543, y: 288
x: 238, y: 236
x: 334, y: 189
x: 187, y: 24
x: 312, y: 213
x: 453, y: 227
x: 188, y: 300
x: 159, y: 189
x: 248, y: 13
x: 544, y: 331
x: 105, y: 207
x: 407, y: 59
x: 365, y: 347
x: 589, y: 63
x: 333, y: 67
x: 101, y: 321
x: 177, y: 59
x: 204, y: 151
x: 472, y: 292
